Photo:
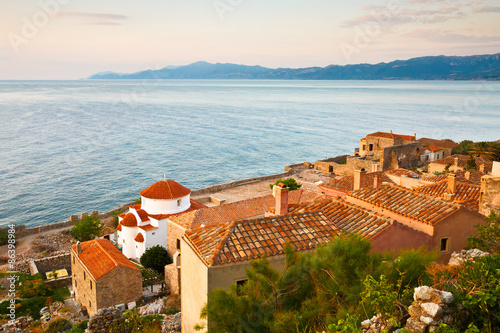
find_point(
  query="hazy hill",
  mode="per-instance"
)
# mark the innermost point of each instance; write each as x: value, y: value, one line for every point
x: 422, y: 68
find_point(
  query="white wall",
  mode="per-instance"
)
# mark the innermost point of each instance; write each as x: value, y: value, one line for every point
x: 161, y: 206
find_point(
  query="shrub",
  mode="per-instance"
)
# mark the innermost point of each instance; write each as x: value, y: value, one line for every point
x: 80, y: 327
x: 156, y: 258
x: 488, y: 236
x: 4, y: 237
x: 58, y: 325
x: 290, y: 183
x: 87, y: 228
x: 33, y: 288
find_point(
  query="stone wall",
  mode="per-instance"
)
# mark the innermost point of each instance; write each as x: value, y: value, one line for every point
x: 174, y: 235
x: 50, y: 263
x: 122, y: 285
x: 172, y: 281
x: 490, y: 195
x: 402, y: 156
x: 236, y: 183
x: 102, y: 320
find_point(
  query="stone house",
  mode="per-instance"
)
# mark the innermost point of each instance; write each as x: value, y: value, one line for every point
x: 218, y: 256
x: 455, y: 163
x: 340, y: 186
x: 446, y: 145
x: 489, y: 200
x: 103, y: 276
x: 431, y: 154
x: 447, y: 223
x: 147, y: 224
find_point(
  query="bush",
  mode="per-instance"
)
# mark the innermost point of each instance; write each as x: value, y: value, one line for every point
x: 87, y: 228
x: 33, y: 288
x: 156, y: 258
x: 488, y: 236
x: 4, y: 237
x: 58, y: 325
x: 80, y: 327
x: 290, y: 183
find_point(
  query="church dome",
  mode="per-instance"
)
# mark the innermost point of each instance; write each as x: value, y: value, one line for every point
x: 129, y: 220
x: 165, y: 189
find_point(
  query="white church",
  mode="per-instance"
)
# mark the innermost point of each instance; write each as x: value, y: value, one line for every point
x: 145, y: 224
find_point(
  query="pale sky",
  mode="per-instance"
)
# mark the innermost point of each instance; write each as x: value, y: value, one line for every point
x: 72, y: 39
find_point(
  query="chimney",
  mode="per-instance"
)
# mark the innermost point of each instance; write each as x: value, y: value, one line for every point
x: 281, y: 196
x: 391, y: 131
x: 467, y: 175
x: 375, y: 182
x: 452, y: 183
x: 359, y: 178
x: 78, y: 248
x: 455, y: 162
x: 481, y: 168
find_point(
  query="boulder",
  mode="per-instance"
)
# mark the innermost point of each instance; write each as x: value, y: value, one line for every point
x: 432, y: 309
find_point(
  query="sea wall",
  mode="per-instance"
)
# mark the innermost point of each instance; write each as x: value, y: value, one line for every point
x: 236, y: 183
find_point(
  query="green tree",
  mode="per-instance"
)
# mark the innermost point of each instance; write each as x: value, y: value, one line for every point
x: 488, y: 235
x: 290, y: 183
x: 463, y: 147
x: 156, y: 258
x: 471, y: 164
x: 87, y: 228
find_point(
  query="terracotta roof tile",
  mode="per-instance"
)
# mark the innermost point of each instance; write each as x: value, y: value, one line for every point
x: 139, y: 238
x: 464, y: 193
x: 346, y: 184
x: 99, y: 256
x: 251, y: 239
x: 165, y: 189
x: 119, y: 227
x: 391, y: 136
x: 421, y: 207
x: 143, y: 215
x: 402, y: 172
x: 195, y: 205
x: 129, y: 220
x: 438, y: 143
x: 469, y: 176
x: 432, y: 148
x: 237, y: 210
x: 147, y: 227
x: 347, y: 217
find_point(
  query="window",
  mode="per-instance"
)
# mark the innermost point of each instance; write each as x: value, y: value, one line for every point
x: 444, y: 244
x: 73, y: 259
x: 371, y: 147
x: 364, y: 147
x: 90, y: 304
x: 153, y: 233
x: 178, y: 244
x: 330, y: 168
x: 76, y: 283
x: 239, y: 285
x: 123, y: 241
x: 84, y: 275
x: 179, y: 203
x: 90, y: 285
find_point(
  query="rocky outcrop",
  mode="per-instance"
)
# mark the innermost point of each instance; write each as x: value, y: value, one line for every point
x: 102, y: 320
x: 459, y: 258
x: 430, y: 308
x: 171, y: 324
x: 156, y: 307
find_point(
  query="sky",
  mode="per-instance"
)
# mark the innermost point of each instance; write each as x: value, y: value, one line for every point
x: 73, y: 39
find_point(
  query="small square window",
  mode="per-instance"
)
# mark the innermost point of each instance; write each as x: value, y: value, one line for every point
x: 178, y: 244
x: 84, y: 275
x: 179, y: 203
x: 153, y: 233
x: 444, y: 244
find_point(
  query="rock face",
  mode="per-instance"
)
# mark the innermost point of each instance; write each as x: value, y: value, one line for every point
x: 458, y: 259
x: 102, y: 320
x: 430, y: 308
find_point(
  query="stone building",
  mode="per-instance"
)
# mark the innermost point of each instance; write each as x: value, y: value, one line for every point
x: 455, y: 163
x: 103, y: 276
x: 431, y: 154
x: 447, y: 146
x: 447, y: 223
x: 147, y: 224
x: 490, y: 191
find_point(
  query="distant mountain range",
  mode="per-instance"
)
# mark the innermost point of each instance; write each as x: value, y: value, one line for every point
x: 422, y: 68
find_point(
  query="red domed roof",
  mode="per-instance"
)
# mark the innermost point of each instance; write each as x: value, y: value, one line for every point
x: 165, y: 189
x: 139, y: 238
x: 129, y: 220
x: 119, y: 227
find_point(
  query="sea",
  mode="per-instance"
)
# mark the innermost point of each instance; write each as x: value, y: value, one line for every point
x: 69, y: 147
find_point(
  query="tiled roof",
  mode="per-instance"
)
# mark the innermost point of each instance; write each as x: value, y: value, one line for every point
x: 424, y: 208
x: 165, y: 189
x: 463, y: 193
x: 99, y: 256
x: 462, y: 161
x: 237, y: 210
x: 346, y: 184
x: 438, y: 143
x: 143, y: 215
x: 347, y: 217
x: 147, y: 227
x: 195, y: 205
x: 129, y: 220
x: 252, y: 239
x: 391, y: 136
x: 119, y: 227
x: 432, y: 148
x: 139, y: 238
x: 474, y: 177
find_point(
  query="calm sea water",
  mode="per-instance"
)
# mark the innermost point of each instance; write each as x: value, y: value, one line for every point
x: 69, y: 147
